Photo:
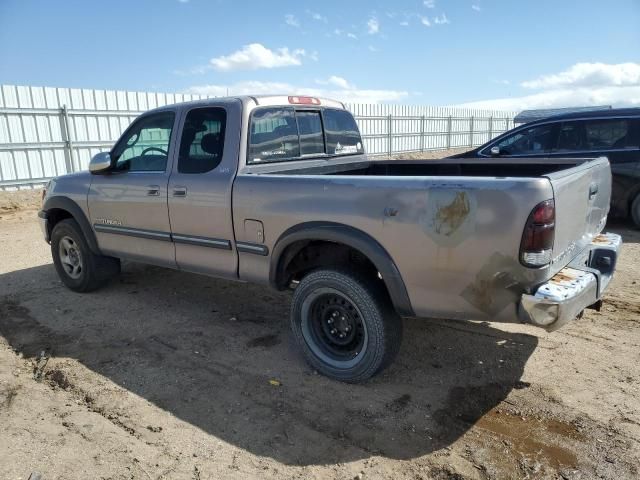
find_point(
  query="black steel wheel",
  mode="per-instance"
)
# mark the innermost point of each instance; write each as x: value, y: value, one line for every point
x: 345, y: 325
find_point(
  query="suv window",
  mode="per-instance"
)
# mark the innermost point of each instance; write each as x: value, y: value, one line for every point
x: 595, y: 135
x: 607, y: 134
x: 274, y: 135
x: 145, y: 145
x: 529, y: 141
x: 342, y: 132
x: 202, y: 142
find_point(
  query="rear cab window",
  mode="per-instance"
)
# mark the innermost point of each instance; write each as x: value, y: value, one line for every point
x: 286, y: 133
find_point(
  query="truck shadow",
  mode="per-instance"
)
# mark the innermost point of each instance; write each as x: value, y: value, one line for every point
x: 624, y: 228
x: 205, y: 351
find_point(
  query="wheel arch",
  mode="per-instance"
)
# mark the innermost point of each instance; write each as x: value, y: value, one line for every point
x: 55, y: 207
x: 288, y: 245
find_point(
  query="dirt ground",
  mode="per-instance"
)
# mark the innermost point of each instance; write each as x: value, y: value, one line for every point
x: 163, y: 374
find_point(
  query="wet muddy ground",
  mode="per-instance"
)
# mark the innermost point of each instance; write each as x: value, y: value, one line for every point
x: 165, y: 374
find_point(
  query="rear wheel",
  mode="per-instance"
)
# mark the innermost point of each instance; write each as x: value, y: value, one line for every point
x: 345, y: 325
x: 635, y: 211
x: 78, y: 267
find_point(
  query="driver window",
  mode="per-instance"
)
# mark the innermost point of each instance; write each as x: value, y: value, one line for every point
x: 145, y: 146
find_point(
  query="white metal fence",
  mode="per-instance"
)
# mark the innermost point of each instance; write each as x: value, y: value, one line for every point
x: 45, y: 132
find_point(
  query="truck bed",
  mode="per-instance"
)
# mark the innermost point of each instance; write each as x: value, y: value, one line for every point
x: 520, y: 168
x: 453, y: 226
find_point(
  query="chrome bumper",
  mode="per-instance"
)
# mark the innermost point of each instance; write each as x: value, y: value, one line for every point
x: 575, y: 287
x: 44, y: 225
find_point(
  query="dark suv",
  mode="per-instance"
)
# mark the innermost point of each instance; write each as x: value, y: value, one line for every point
x: 613, y: 133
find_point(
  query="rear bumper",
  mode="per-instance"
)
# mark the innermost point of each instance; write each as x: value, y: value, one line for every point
x: 575, y: 287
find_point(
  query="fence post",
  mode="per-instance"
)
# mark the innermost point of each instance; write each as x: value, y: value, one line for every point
x: 490, y: 128
x: 389, y: 135
x: 471, y: 131
x: 66, y: 136
x: 422, y: 120
x: 449, y: 132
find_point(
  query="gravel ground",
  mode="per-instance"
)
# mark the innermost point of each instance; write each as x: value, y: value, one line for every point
x: 163, y: 374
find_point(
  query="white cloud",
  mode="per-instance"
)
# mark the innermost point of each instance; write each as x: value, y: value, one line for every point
x: 291, y: 20
x: 583, y: 84
x: 404, y: 23
x: 425, y: 21
x: 616, y: 96
x: 441, y: 20
x: 429, y: 3
x: 352, y: 35
x: 476, y: 7
x: 373, y: 26
x: 255, y: 56
x: 317, y: 16
x: 345, y: 92
x: 372, y: 48
x: 590, y: 75
x: 337, y: 32
x: 335, y: 81
x: 183, y: 1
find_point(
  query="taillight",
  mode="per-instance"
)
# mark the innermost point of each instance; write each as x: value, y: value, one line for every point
x: 536, y: 247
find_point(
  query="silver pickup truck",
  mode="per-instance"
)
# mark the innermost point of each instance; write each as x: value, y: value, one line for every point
x: 277, y: 190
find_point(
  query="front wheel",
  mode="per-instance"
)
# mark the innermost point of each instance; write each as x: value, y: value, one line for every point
x: 78, y: 267
x: 345, y: 325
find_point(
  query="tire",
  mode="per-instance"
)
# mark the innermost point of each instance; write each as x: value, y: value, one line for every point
x: 78, y: 267
x: 634, y: 213
x: 345, y: 325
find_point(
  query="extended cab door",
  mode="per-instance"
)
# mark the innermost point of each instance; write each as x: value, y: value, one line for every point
x: 200, y: 190
x: 128, y: 204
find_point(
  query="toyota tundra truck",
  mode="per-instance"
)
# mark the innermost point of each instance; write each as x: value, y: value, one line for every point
x: 277, y: 190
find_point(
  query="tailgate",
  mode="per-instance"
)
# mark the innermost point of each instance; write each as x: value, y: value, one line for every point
x: 581, y: 195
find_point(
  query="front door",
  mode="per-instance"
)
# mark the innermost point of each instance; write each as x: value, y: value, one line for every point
x: 200, y: 191
x: 128, y: 205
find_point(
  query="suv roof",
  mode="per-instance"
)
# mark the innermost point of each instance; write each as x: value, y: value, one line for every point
x: 613, y: 112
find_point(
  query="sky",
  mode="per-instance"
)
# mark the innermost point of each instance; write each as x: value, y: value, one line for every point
x: 495, y: 54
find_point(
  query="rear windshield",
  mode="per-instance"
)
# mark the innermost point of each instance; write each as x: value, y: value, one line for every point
x: 283, y: 133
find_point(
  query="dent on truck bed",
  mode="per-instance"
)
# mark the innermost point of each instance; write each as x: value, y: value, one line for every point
x: 496, y: 285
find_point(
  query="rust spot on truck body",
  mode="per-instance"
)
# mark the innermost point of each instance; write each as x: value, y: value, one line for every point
x: 450, y: 217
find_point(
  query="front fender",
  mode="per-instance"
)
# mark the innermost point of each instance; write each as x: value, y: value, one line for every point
x: 68, y: 205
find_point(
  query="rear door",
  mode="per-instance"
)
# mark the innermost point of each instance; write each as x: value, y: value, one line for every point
x: 128, y: 205
x: 615, y: 138
x: 200, y: 190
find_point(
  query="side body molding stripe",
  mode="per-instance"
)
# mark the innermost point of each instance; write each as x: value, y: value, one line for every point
x: 169, y: 237
x: 256, y: 248
x: 132, y: 232
x: 202, y: 241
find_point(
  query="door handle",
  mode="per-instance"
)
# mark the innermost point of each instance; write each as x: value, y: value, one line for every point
x: 179, y: 191
x: 153, y: 190
x: 593, y: 189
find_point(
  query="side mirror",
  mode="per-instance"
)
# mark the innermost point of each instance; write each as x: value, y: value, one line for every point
x: 100, y: 163
x: 495, y: 151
